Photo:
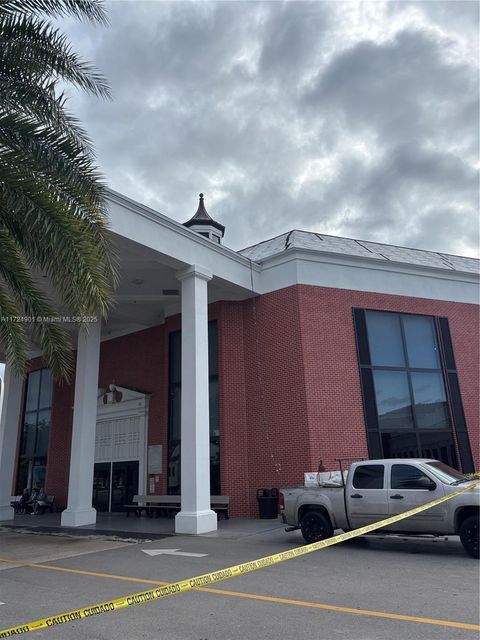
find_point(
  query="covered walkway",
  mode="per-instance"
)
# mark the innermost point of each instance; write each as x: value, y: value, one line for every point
x: 117, y: 524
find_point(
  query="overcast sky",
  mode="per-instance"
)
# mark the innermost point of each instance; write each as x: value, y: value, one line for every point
x: 343, y: 118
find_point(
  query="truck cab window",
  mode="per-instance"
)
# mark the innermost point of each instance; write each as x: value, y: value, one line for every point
x: 369, y: 476
x: 405, y: 476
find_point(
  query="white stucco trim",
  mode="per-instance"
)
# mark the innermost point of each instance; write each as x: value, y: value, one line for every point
x: 295, y: 266
x: 170, y: 238
x: 194, y: 270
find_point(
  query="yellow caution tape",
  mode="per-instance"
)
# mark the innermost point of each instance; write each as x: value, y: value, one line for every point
x: 215, y: 576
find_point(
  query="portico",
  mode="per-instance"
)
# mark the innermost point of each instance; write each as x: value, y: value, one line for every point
x: 165, y: 269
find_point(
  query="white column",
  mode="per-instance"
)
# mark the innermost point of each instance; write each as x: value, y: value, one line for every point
x: 9, y: 421
x: 80, y: 485
x: 195, y: 515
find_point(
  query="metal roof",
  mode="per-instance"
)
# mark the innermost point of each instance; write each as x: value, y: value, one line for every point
x: 322, y: 243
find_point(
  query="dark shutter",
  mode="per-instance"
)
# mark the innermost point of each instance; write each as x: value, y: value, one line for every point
x: 456, y: 404
x: 374, y: 445
x: 368, y: 394
x: 361, y: 335
x: 447, y: 345
x: 366, y: 381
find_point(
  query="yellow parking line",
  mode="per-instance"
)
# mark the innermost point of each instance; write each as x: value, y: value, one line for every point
x: 95, y: 574
x: 253, y: 596
x: 362, y: 612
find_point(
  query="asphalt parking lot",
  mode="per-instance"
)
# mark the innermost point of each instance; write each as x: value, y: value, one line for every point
x: 366, y: 589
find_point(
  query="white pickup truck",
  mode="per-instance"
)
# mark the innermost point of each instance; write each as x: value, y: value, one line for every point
x: 378, y: 489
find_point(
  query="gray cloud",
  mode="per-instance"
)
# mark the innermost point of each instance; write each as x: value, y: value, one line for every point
x: 287, y: 118
x: 402, y: 88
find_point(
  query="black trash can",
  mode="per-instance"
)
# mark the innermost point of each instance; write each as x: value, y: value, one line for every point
x: 267, y: 503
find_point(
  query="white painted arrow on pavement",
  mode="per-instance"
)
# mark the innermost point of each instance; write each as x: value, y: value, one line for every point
x: 173, y: 552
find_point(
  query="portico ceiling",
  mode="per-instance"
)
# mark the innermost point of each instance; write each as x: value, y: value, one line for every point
x: 149, y: 291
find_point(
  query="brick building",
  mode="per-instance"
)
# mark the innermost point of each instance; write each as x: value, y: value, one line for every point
x: 302, y: 348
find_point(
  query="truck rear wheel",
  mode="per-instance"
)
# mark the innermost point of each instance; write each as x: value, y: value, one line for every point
x: 315, y: 526
x: 469, y: 535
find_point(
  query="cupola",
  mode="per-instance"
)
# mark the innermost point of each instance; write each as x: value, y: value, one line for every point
x: 205, y: 225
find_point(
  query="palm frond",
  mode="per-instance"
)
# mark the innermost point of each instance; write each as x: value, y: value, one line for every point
x: 53, y: 215
x: 59, y: 159
x: 33, y: 303
x: 89, y: 10
x: 40, y: 103
x: 13, y: 338
x: 36, y: 48
x: 81, y: 271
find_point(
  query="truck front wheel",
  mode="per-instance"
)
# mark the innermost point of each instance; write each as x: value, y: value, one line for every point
x: 315, y: 526
x: 469, y: 535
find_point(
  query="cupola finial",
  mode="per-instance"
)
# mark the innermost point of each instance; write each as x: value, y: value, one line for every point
x: 204, y: 224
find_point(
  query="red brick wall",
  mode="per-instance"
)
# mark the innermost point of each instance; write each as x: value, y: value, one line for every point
x: 334, y: 403
x: 302, y: 382
x: 289, y: 385
x: 234, y: 442
x: 134, y: 361
x: 60, y: 441
x: 278, y: 440
x: 335, y: 414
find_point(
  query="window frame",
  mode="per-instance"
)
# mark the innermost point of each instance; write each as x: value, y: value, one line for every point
x: 409, y: 370
x: 457, y: 432
x: 175, y: 385
x: 30, y: 458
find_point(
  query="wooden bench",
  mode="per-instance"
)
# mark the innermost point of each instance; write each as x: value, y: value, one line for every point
x: 169, y: 506
x: 153, y: 505
x: 28, y: 507
x: 138, y: 505
x: 166, y: 506
x: 14, y: 500
x: 46, y: 504
x: 220, y: 505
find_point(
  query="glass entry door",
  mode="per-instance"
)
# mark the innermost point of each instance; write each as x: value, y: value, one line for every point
x: 114, y: 485
x: 101, y: 486
x: 124, y: 484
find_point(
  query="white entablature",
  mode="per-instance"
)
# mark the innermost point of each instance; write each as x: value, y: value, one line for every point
x: 120, y: 402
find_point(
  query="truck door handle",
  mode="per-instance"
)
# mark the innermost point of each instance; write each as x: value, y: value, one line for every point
x: 397, y: 496
x: 356, y: 495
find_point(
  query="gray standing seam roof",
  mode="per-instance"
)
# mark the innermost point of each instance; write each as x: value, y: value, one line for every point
x: 360, y: 248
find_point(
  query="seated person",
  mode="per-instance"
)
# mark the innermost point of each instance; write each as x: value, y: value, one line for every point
x: 31, y: 502
x: 39, y: 501
x: 21, y: 505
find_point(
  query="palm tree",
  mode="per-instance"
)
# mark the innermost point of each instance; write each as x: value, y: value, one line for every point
x: 53, y: 221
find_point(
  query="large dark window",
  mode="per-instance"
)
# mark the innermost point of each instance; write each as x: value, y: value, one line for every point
x: 394, y: 405
x: 174, y: 410
x: 405, y: 378
x: 36, y: 430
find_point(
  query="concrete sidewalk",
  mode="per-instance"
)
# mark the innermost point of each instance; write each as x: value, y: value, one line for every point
x: 118, y: 525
